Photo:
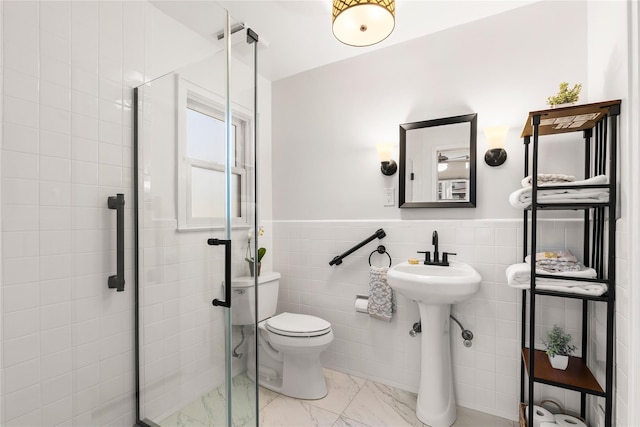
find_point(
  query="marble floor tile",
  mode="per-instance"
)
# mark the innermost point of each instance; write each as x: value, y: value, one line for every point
x: 346, y: 422
x: 180, y: 420
x: 342, y: 388
x: 351, y: 402
x: 287, y: 412
x: 470, y: 418
x: 381, y: 405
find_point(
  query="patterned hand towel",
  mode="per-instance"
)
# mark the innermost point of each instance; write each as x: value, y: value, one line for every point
x: 382, y: 302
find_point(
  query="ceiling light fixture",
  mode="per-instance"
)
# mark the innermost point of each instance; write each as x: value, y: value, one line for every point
x: 363, y: 22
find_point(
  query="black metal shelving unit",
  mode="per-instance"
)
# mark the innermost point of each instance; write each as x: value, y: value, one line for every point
x: 598, y: 123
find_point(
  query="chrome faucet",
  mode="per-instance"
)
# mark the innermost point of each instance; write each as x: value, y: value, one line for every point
x: 434, y: 242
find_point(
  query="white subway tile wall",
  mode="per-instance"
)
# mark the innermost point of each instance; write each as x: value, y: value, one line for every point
x: 487, y: 375
x: 68, y: 75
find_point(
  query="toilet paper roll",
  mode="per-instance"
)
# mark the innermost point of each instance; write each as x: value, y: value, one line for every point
x: 569, y: 421
x: 361, y: 304
x: 540, y: 415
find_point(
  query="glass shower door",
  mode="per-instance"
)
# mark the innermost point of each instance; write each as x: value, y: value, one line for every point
x: 195, y: 161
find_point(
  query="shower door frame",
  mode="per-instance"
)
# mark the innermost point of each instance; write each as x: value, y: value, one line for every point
x: 252, y: 38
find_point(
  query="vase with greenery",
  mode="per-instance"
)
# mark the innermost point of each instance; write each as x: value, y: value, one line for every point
x: 559, y: 347
x: 255, y: 263
x: 565, y: 95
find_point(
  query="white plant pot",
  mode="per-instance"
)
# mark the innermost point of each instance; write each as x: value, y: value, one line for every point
x: 559, y: 362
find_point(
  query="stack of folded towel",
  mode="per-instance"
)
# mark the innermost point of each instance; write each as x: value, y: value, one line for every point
x: 557, y: 263
x: 552, y: 191
x: 549, y: 178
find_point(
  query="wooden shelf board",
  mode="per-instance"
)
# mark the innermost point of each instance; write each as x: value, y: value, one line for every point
x: 577, y: 376
x: 568, y: 119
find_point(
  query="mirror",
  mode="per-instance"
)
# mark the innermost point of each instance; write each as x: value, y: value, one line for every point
x: 438, y: 163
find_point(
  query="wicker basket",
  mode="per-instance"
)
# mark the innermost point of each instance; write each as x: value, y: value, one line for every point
x: 559, y: 410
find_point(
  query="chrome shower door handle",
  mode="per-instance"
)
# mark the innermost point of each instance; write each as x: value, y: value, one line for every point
x: 227, y: 271
x: 117, y: 281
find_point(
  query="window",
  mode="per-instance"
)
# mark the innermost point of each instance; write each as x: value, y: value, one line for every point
x: 201, y: 159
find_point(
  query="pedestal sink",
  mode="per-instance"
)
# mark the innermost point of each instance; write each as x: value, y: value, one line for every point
x: 435, y: 288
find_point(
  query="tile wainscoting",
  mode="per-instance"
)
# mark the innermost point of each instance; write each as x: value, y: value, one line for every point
x: 486, y: 375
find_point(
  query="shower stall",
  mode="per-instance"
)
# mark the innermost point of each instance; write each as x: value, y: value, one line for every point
x: 196, y: 151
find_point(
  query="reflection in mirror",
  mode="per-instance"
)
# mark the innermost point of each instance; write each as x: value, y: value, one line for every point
x: 438, y: 163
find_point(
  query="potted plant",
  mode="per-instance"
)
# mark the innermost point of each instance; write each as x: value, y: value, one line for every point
x: 261, y: 253
x: 565, y: 95
x: 559, y: 347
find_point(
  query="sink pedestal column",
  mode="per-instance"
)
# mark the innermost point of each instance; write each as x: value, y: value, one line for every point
x: 436, y: 405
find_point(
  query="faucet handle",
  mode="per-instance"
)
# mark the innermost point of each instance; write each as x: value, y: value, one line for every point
x: 427, y: 256
x: 445, y: 257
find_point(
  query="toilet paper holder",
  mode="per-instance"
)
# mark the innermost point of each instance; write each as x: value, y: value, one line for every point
x: 361, y: 304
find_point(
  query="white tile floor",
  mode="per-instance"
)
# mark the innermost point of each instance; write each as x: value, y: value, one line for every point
x: 351, y: 402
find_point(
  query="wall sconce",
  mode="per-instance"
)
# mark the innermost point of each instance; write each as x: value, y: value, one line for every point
x: 496, y: 154
x: 387, y: 165
x: 363, y: 22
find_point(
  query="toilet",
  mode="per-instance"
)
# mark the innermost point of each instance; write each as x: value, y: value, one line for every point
x: 289, y: 344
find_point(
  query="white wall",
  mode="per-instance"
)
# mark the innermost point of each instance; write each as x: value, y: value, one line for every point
x: 326, y: 124
x: 500, y: 67
x: 66, y: 146
x: 608, y: 65
x: 1, y: 139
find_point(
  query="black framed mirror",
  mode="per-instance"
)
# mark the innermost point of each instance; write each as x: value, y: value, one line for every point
x: 438, y: 163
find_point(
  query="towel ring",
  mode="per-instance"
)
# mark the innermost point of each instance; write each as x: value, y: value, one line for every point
x: 381, y: 250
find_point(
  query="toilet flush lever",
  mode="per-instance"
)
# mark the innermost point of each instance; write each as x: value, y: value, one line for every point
x: 227, y: 271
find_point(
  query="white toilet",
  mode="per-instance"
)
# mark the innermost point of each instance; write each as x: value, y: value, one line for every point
x: 289, y: 344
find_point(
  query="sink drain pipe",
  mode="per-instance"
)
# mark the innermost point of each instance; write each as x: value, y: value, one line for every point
x: 467, y: 335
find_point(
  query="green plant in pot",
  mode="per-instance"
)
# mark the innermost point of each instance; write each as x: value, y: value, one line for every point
x: 559, y: 347
x: 253, y: 268
x: 565, y: 95
x: 252, y: 263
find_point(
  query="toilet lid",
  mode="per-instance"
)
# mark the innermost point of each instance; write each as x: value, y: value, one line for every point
x: 297, y: 325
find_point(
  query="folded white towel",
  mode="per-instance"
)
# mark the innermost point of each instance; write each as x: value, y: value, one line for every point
x: 519, y: 276
x: 381, y: 302
x: 521, y: 198
x: 548, y: 179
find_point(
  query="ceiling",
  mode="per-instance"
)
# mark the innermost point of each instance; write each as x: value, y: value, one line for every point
x: 296, y: 35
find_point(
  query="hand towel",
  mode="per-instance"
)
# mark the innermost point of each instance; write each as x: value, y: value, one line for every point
x: 381, y: 303
x: 556, y: 194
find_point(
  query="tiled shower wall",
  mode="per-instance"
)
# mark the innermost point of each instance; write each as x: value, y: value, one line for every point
x: 69, y: 69
x: 487, y: 374
x: 1, y: 269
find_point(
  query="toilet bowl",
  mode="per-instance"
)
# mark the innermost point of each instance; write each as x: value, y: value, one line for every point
x: 289, y: 344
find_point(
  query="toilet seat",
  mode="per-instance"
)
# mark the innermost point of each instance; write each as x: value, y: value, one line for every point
x: 297, y: 325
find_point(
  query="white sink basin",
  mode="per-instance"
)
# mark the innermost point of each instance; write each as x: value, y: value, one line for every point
x: 434, y: 284
x: 435, y: 288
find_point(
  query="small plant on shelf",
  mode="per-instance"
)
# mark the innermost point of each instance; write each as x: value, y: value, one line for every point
x: 565, y: 95
x: 559, y: 347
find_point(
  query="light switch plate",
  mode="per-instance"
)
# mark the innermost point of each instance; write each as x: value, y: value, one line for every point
x: 389, y: 196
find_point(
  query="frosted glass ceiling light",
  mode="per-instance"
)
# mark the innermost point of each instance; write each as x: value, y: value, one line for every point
x: 363, y: 22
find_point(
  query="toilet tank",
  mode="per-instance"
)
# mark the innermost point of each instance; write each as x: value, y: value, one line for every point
x: 243, y: 298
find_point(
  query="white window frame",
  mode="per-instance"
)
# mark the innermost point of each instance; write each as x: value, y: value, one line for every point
x: 190, y: 95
